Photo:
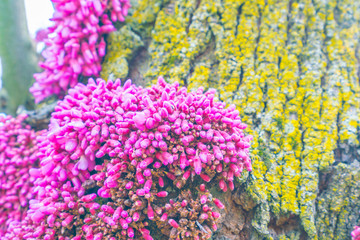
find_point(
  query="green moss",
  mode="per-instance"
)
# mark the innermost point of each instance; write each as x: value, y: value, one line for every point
x: 116, y: 63
x: 339, y: 203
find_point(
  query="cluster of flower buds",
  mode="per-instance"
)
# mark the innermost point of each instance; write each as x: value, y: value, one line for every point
x: 76, y: 43
x: 124, y: 217
x: 17, y: 155
x: 186, y: 218
x: 355, y: 234
x: 112, y: 150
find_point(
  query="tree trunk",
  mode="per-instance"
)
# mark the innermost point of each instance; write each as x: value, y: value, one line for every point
x: 292, y: 68
x: 17, y: 54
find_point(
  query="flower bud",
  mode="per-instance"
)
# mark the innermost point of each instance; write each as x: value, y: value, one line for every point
x: 173, y: 223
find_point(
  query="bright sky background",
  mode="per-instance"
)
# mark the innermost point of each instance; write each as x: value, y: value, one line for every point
x: 38, y: 13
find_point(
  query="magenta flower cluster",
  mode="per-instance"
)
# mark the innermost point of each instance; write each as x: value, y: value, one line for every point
x: 115, y: 154
x: 355, y: 234
x: 17, y: 155
x: 189, y: 218
x: 76, y: 43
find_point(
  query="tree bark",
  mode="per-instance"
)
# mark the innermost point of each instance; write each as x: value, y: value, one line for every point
x: 292, y: 68
x: 17, y: 54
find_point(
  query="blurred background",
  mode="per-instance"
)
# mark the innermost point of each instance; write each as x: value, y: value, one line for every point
x: 38, y: 13
x: 23, y: 25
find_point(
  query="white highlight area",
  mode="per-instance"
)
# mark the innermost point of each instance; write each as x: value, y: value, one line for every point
x: 38, y: 13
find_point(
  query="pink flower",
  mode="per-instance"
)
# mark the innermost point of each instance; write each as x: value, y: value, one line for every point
x: 75, y: 43
x: 173, y: 223
x: 17, y: 159
x: 100, y: 149
x: 355, y: 234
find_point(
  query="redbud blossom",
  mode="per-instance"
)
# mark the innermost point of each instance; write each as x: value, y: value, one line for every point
x: 75, y: 44
x: 118, y: 145
x: 17, y: 173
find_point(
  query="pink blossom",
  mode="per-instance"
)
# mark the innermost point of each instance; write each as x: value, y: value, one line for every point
x: 100, y: 149
x: 17, y: 159
x: 355, y: 234
x: 75, y: 44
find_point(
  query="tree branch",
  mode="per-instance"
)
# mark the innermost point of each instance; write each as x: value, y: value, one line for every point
x: 17, y: 54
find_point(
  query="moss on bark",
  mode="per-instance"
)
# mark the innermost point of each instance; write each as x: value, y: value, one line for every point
x: 292, y: 69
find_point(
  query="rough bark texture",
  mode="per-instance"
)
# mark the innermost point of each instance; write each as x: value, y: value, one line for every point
x: 292, y: 68
x: 17, y: 54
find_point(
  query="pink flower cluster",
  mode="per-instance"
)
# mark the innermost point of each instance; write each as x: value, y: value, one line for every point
x: 112, y: 152
x: 355, y: 234
x: 193, y: 217
x: 76, y: 43
x: 17, y: 155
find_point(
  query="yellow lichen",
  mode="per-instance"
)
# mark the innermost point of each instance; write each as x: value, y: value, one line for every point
x: 291, y: 69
